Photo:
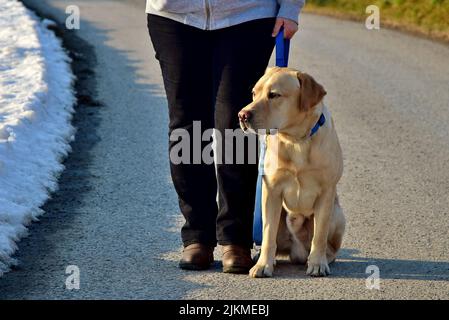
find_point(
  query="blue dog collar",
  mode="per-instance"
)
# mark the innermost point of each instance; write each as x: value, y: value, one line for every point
x: 318, y: 125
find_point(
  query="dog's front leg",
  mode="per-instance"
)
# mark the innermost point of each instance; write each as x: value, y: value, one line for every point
x: 271, y: 215
x: 317, y: 264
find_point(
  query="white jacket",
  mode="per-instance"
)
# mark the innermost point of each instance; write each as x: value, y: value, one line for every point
x: 217, y: 14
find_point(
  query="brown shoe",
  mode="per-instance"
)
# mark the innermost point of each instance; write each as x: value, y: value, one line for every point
x: 197, y: 257
x: 236, y: 259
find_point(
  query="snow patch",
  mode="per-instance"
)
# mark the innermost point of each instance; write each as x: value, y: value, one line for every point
x: 36, y: 106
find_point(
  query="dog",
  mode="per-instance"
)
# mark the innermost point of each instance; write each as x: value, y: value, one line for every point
x: 301, y: 213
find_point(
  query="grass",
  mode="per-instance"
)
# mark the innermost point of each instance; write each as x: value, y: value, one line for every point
x: 425, y: 17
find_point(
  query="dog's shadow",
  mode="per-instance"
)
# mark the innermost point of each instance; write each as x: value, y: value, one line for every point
x: 350, y: 265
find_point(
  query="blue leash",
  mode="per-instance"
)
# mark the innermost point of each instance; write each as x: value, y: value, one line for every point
x: 282, y: 50
x: 282, y: 53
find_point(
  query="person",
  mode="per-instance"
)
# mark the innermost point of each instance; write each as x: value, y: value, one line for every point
x: 211, y: 53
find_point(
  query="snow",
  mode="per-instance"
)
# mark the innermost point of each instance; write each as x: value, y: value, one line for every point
x: 36, y: 106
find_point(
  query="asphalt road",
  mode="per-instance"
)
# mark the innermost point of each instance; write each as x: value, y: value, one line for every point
x: 116, y: 216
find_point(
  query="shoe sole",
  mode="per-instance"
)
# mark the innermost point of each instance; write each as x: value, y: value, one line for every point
x: 194, y: 267
x: 236, y: 270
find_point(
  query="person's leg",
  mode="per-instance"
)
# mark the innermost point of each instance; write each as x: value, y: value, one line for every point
x: 185, y: 58
x: 241, y: 53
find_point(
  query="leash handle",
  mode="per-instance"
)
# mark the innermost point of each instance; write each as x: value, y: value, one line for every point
x: 282, y: 49
x: 282, y: 53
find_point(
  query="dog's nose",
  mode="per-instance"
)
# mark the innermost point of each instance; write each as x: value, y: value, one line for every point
x: 245, y: 115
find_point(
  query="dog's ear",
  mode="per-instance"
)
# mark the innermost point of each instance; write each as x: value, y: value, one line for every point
x: 311, y: 92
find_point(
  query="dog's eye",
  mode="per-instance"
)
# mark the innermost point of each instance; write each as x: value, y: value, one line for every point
x: 273, y: 95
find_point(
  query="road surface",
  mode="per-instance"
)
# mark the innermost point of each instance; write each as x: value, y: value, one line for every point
x: 116, y: 216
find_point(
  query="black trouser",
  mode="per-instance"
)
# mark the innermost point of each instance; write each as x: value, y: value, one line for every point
x: 208, y: 77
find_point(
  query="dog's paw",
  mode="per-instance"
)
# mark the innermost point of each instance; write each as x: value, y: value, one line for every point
x: 261, y: 271
x: 318, y: 267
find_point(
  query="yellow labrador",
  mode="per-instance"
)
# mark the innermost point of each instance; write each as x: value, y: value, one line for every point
x: 300, y: 210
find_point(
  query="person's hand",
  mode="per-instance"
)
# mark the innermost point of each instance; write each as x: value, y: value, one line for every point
x: 290, y: 27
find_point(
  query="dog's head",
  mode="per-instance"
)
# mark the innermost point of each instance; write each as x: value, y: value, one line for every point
x: 283, y: 98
